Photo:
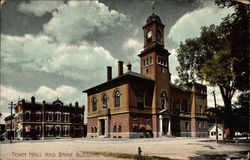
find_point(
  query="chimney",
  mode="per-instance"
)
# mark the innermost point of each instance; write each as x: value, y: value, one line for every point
x: 109, y: 73
x: 129, y: 67
x: 76, y: 104
x: 33, y: 100
x: 120, y: 68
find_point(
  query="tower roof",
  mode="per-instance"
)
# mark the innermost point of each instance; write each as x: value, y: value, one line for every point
x: 153, y: 18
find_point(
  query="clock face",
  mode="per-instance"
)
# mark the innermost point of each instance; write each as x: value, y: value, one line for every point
x: 149, y: 34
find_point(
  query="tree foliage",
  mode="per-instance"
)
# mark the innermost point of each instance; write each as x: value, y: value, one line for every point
x: 219, y: 56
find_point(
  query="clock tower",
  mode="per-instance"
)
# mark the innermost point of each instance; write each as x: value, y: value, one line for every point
x: 154, y: 64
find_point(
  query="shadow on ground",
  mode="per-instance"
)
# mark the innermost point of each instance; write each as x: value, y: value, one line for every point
x: 219, y: 156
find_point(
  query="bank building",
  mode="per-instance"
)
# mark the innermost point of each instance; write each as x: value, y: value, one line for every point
x: 147, y: 104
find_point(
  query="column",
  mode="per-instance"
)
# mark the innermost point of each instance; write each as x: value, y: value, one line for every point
x: 107, y: 127
x: 169, y: 127
x: 160, y: 125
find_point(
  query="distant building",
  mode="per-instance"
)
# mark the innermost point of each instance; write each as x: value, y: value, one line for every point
x: 147, y: 104
x: 212, y: 132
x: 10, y: 126
x: 48, y: 120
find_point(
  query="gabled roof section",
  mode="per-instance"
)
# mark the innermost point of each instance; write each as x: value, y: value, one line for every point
x: 118, y: 80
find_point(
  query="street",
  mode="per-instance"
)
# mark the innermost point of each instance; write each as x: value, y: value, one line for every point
x: 78, y: 149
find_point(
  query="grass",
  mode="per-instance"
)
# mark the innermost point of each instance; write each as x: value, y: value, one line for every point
x: 128, y: 156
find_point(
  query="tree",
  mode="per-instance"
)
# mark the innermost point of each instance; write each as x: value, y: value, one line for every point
x: 219, y: 56
x: 241, y: 113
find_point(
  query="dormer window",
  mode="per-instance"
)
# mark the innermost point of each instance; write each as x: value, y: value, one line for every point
x: 149, y: 37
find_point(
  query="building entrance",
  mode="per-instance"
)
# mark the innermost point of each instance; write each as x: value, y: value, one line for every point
x: 165, y: 126
x: 102, y: 127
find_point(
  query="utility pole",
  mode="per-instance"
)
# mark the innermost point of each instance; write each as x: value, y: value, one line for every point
x: 11, y: 107
x: 216, y: 120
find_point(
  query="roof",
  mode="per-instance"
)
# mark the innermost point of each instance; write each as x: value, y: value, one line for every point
x: 172, y: 85
x: 153, y: 18
x: 121, y: 78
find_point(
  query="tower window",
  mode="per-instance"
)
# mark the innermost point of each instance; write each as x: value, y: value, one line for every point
x: 117, y: 98
x: 94, y: 104
x: 159, y: 36
x: 150, y: 60
x: 163, y: 100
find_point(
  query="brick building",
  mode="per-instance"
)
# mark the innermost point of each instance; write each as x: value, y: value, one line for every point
x: 48, y: 120
x: 147, y: 104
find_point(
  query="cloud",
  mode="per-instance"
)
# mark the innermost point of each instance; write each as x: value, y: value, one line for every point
x: 39, y: 8
x: 71, y: 61
x: 73, y: 21
x: 188, y: 26
x: 67, y: 94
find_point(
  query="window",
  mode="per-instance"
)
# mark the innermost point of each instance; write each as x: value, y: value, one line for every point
x: 81, y: 118
x: 58, y: 130
x: 95, y: 128
x: 159, y: 36
x: 66, y: 130
x: 204, y: 125
x: 199, y: 124
x: 38, y: 116
x: 114, y: 129
x: 187, y: 125
x: 49, y: 130
x: 201, y: 111
x: 105, y: 101
x: 147, y: 61
x: 150, y: 60
x: 94, y: 104
x: 58, y: 116
x: 117, y: 98
x: 27, y: 115
x: 140, y: 99
x: 144, y: 62
x: 49, y: 116
x: 92, y: 129
x: 66, y: 117
x: 120, y: 129
x: 38, y: 130
x: 163, y: 100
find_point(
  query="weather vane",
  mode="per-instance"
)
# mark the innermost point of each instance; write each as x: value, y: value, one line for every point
x: 153, y: 5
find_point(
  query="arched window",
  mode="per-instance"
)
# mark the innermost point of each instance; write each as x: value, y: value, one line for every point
x: 140, y: 99
x: 94, y: 104
x: 105, y: 101
x: 159, y: 36
x: 163, y: 100
x: 120, y: 129
x: 114, y: 129
x: 117, y: 98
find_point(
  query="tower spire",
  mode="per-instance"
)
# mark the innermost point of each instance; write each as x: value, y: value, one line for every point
x: 153, y: 5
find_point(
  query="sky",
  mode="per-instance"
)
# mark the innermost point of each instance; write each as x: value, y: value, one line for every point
x: 57, y: 49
